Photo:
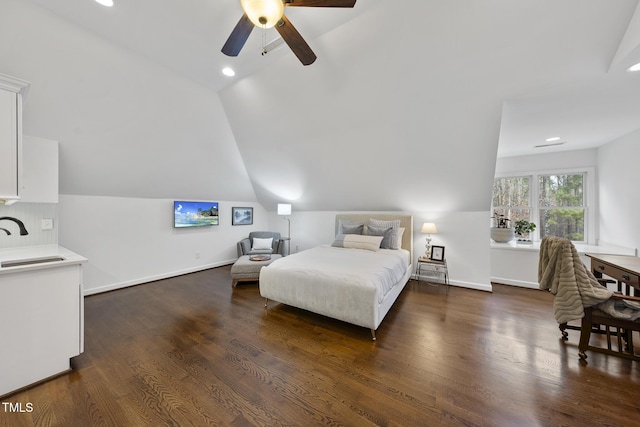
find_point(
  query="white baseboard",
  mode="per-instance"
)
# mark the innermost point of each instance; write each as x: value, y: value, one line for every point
x: 520, y: 283
x: 468, y: 285
x: 142, y: 280
x: 472, y: 285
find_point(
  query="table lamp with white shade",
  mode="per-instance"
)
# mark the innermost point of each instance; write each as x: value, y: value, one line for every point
x: 428, y: 228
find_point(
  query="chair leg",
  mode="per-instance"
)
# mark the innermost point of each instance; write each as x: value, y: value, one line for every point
x: 563, y: 327
x: 585, y: 334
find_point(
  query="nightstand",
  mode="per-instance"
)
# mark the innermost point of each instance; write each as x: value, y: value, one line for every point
x: 429, y: 268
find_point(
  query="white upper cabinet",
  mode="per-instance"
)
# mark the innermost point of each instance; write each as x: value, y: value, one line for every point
x: 12, y: 91
x: 40, y: 170
x: 9, y: 146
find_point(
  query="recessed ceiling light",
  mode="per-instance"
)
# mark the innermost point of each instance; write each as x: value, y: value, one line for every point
x: 553, y: 139
x: 107, y: 3
x: 551, y: 144
x: 635, y: 67
x: 227, y: 71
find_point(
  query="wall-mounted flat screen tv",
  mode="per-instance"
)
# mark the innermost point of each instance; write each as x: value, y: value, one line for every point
x: 195, y: 214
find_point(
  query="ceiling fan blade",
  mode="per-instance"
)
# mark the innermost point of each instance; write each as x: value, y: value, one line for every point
x: 295, y: 41
x: 238, y: 37
x: 320, y: 3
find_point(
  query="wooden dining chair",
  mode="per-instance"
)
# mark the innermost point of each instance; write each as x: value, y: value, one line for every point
x: 618, y: 333
x: 561, y: 271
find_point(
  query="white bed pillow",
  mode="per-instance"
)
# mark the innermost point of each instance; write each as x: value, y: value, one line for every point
x: 261, y: 244
x: 358, y: 241
x: 400, y: 234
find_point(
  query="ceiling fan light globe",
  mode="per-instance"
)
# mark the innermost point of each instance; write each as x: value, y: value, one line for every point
x: 263, y: 13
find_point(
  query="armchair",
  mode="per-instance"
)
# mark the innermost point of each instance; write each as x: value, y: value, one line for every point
x: 246, y: 246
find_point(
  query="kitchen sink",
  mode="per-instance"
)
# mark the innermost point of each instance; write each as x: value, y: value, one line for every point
x: 31, y: 261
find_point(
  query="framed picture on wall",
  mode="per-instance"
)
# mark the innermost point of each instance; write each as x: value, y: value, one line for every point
x: 437, y: 253
x: 241, y: 216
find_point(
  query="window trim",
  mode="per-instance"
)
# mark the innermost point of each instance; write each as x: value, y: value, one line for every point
x: 591, y: 213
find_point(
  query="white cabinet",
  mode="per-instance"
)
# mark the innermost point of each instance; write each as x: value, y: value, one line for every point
x: 12, y: 91
x: 9, y: 146
x: 40, y: 170
x: 42, y: 313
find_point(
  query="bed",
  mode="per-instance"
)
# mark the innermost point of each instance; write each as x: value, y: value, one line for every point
x: 352, y: 282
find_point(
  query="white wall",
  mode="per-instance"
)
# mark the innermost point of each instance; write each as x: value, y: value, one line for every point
x: 126, y: 126
x: 517, y: 265
x: 130, y: 241
x: 463, y: 234
x: 618, y: 188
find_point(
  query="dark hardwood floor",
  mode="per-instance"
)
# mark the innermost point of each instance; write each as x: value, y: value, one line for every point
x: 192, y: 351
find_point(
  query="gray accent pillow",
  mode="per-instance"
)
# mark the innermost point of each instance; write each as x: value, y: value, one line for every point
x: 381, y: 231
x: 350, y: 227
x: 394, y: 241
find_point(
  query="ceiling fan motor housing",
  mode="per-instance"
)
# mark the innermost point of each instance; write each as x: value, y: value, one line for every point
x: 263, y: 13
x: 269, y: 13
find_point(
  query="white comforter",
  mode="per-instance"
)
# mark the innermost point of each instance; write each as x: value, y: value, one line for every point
x: 347, y: 284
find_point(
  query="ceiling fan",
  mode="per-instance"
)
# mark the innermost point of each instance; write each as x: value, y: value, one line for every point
x: 270, y: 13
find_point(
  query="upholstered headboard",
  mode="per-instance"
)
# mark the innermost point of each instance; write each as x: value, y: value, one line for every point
x: 406, y: 222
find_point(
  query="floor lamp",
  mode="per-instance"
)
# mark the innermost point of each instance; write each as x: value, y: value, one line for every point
x: 285, y: 210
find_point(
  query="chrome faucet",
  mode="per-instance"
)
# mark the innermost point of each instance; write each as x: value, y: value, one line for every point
x: 23, y: 229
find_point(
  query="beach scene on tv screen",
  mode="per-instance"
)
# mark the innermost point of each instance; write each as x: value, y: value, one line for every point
x: 195, y: 214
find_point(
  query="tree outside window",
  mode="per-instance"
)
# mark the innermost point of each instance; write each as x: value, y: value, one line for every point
x: 555, y: 202
x: 511, y: 198
x: 561, y: 206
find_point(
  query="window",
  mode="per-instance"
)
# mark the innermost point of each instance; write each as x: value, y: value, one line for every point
x: 512, y: 198
x: 555, y: 202
x: 561, y: 206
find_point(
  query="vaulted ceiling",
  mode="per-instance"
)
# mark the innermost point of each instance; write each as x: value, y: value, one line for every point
x: 407, y: 105
x: 566, y: 60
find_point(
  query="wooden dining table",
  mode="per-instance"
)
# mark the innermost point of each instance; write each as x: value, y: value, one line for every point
x: 624, y: 269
